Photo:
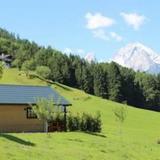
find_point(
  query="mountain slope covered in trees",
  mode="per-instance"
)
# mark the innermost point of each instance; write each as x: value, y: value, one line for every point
x: 106, y: 80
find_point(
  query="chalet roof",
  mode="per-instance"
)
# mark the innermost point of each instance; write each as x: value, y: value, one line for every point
x: 23, y: 94
x: 5, y: 57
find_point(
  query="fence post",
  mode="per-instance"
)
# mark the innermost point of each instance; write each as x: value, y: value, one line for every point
x: 65, y: 119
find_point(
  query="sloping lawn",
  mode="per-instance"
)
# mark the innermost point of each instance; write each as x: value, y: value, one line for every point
x: 13, y: 76
x: 136, y: 139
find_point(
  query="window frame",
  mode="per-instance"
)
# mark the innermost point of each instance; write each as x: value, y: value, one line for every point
x: 30, y: 114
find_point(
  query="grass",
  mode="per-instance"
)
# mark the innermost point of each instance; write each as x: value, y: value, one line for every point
x: 12, y: 76
x: 137, y: 141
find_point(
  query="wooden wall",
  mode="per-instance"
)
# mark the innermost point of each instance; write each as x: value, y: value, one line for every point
x: 13, y: 119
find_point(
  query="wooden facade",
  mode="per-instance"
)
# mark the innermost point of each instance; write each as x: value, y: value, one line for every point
x: 13, y: 118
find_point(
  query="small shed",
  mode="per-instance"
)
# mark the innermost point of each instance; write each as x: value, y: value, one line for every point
x: 16, y: 114
x: 6, y: 59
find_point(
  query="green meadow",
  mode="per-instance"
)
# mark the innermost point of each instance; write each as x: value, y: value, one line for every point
x: 136, y: 139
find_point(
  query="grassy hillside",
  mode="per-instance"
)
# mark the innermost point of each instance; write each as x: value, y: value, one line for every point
x: 12, y: 76
x: 137, y: 140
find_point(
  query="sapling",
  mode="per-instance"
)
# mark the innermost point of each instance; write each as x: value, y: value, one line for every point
x: 120, y: 115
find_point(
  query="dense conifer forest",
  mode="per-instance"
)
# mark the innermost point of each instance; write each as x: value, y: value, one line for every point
x: 106, y: 80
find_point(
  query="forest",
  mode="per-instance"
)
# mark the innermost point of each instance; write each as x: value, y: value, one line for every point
x: 107, y: 80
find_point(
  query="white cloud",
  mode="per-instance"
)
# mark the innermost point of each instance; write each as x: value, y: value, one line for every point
x: 100, y: 33
x: 133, y: 19
x: 97, y: 20
x: 78, y: 51
x: 98, y: 23
x: 116, y: 36
x: 90, y: 57
x: 68, y: 50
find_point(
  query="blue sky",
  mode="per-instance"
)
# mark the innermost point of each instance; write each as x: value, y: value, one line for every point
x: 86, y: 27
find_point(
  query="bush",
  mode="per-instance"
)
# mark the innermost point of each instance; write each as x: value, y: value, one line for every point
x: 158, y: 141
x: 91, y: 123
x: 73, y: 122
x: 97, y: 123
x: 28, y: 65
x: 58, y: 115
x: 84, y: 122
x: 43, y: 71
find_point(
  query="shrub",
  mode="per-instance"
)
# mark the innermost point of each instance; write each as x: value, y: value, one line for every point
x: 97, y: 123
x: 158, y: 141
x: 28, y: 65
x: 58, y: 115
x: 91, y: 123
x: 1, y: 69
x: 43, y: 71
x: 84, y: 122
x: 73, y: 122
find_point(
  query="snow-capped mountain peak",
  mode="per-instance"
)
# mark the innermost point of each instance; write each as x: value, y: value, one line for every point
x: 138, y: 57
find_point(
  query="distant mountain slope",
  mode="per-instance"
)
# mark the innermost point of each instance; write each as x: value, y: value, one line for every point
x: 138, y: 57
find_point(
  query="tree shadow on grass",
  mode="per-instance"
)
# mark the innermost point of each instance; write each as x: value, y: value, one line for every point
x: 96, y: 134
x: 16, y: 139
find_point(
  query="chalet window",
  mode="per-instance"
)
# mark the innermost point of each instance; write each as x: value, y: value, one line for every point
x: 30, y: 114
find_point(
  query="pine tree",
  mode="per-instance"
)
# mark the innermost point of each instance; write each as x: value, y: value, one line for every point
x: 87, y: 80
x: 100, y: 82
x: 114, y: 82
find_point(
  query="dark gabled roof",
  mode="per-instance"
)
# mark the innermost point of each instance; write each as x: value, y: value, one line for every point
x: 21, y: 94
x: 5, y: 57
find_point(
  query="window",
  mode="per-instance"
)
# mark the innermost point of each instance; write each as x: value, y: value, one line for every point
x: 30, y: 114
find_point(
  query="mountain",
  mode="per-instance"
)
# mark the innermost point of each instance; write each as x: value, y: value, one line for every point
x: 138, y: 57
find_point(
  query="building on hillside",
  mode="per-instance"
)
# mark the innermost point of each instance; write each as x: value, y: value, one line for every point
x: 6, y: 59
x: 16, y: 114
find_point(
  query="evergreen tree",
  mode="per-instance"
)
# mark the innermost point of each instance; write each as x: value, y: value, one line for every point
x: 114, y: 83
x: 100, y: 82
x: 128, y: 87
x: 87, y: 80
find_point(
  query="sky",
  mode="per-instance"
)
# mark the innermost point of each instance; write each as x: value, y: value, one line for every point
x: 90, y: 28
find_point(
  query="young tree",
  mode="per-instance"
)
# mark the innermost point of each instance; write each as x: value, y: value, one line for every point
x: 44, y: 110
x: 27, y: 66
x: 120, y: 115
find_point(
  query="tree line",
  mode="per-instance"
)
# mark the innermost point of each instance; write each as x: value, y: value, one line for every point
x: 107, y: 80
